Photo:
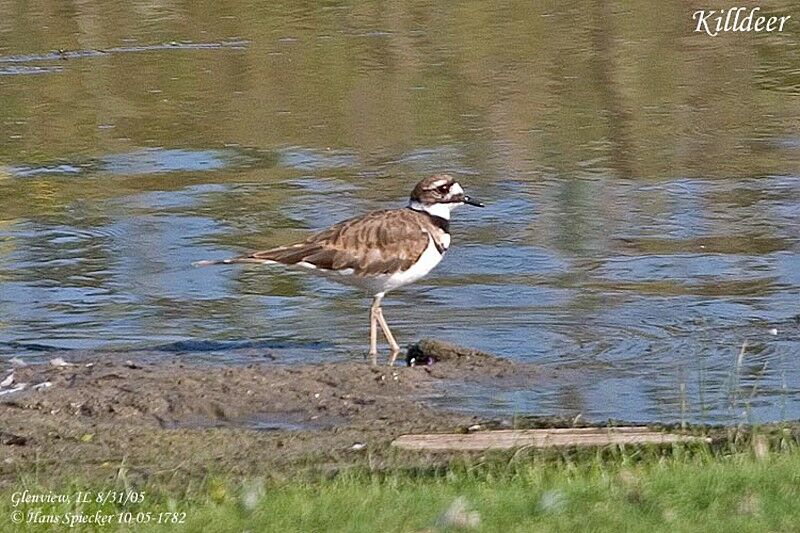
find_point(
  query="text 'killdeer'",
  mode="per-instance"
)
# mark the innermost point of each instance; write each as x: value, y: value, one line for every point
x: 379, y: 251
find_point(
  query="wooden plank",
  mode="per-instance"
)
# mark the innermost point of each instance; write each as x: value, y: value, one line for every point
x: 539, y: 438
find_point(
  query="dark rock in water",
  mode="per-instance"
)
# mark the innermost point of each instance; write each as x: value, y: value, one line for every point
x: 415, y: 357
x: 429, y: 351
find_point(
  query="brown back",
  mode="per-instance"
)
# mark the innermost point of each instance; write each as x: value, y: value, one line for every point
x: 380, y: 242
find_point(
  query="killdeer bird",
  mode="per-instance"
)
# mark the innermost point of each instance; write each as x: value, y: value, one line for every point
x: 379, y: 251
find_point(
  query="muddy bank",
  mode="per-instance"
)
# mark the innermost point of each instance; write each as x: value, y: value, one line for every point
x: 171, y: 417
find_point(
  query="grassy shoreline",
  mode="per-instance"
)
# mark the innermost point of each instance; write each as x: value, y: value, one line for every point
x: 183, y: 435
x: 753, y: 485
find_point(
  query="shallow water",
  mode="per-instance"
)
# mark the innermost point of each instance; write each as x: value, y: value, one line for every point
x: 642, y: 185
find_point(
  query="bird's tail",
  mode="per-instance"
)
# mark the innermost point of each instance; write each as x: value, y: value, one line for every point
x: 286, y: 255
x: 229, y: 261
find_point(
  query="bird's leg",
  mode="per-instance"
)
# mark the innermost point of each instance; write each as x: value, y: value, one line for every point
x: 373, y: 330
x: 389, y: 337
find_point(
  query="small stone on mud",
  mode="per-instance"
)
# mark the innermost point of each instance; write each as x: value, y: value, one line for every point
x: 552, y: 501
x: 16, y: 388
x: 458, y: 515
x: 252, y: 493
x: 750, y: 504
x: 760, y: 447
x: 9, y: 439
x: 59, y: 362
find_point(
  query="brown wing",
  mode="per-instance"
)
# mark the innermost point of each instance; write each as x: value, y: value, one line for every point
x: 381, y: 242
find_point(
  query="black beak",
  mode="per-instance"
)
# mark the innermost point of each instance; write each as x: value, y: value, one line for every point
x: 472, y: 201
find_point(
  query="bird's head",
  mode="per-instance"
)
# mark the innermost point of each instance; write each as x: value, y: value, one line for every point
x: 438, y: 195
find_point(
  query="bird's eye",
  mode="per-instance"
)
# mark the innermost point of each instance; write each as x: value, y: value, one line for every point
x: 443, y: 189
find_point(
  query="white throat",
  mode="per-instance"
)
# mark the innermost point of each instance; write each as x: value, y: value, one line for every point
x: 437, y: 210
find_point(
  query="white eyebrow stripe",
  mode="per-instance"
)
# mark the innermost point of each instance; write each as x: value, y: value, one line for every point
x: 436, y: 184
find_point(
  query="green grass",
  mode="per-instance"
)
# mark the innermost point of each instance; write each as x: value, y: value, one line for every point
x: 677, y: 489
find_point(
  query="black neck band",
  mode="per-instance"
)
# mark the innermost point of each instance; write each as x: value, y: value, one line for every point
x: 441, y: 223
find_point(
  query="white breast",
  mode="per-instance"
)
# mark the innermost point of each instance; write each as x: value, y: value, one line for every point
x: 386, y: 282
